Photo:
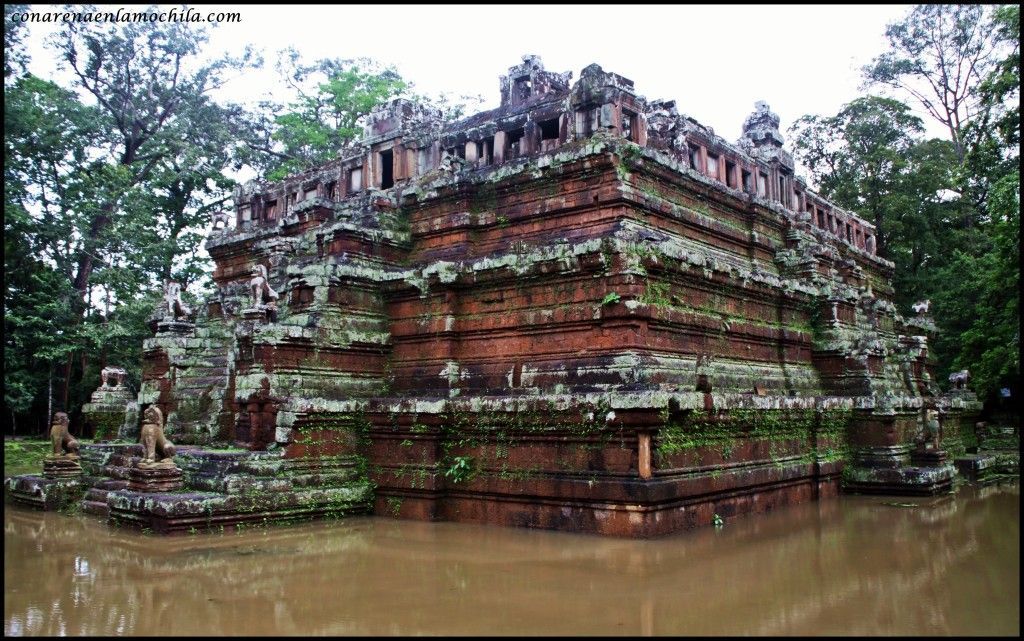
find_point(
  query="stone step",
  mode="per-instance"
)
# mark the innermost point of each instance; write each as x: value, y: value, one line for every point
x: 975, y: 467
x: 95, y: 499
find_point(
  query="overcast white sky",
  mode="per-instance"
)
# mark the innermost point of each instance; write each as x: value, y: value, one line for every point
x: 715, y: 61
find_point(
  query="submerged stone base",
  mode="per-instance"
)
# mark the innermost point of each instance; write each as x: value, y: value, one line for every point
x: 218, y: 488
x: 895, y: 470
x: 183, y: 512
x: 43, y: 493
x: 623, y: 507
x: 1002, y: 443
x: 977, y: 468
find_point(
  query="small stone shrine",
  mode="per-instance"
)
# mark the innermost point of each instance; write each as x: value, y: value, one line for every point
x: 106, y: 412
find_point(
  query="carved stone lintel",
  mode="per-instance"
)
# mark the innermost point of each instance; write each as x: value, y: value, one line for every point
x: 175, y: 327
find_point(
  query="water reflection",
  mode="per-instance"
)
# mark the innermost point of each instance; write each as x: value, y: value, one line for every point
x: 951, y: 565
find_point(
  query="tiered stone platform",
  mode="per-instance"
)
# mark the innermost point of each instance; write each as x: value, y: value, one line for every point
x: 215, y: 489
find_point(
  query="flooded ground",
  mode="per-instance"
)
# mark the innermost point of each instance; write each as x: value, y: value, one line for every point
x: 850, y: 566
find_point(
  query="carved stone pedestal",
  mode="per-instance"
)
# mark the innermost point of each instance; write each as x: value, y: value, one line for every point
x: 928, y: 457
x: 61, y: 468
x: 154, y: 479
x: 261, y: 314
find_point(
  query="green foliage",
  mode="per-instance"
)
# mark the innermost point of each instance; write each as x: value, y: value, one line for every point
x: 394, y: 505
x: 24, y: 457
x: 610, y: 298
x: 461, y: 469
x: 15, y: 57
x: 330, y: 97
x: 981, y: 299
x: 104, y: 201
x: 939, y: 54
x: 947, y: 212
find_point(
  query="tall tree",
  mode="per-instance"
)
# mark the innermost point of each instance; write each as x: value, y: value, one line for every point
x: 859, y: 158
x: 870, y: 158
x: 329, y: 97
x: 981, y: 292
x: 47, y: 165
x: 143, y: 77
x: 151, y: 86
x: 939, y: 53
x: 15, y: 57
x: 110, y: 196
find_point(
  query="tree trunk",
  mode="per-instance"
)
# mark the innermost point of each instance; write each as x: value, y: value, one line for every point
x: 67, y: 382
x: 49, y: 398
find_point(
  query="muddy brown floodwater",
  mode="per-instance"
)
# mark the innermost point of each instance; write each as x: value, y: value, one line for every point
x: 849, y: 566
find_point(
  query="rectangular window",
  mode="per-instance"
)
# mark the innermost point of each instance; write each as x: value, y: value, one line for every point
x: 693, y: 152
x: 423, y: 161
x: 521, y: 90
x: 629, y: 124
x: 849, y: 233
x: 270, y: 212
x: 485, y: 151
x: 515, y: 143
x: 246, y: 212
x: 355, y: 179
x: 548, y: 134
x: 310, y: 194
x: 762, y: 184
x: 712, y: 166
x: 549, y: 129
x: 730, y: 174
x: 387, y: 169
x: 821, y: 219
x: 748, y: 181
x: 331, y: 190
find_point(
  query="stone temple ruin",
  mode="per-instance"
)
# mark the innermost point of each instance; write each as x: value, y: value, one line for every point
x: 582, y: 310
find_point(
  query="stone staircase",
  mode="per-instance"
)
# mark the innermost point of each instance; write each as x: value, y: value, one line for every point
x: 95, y: 499
x: 203, y: 374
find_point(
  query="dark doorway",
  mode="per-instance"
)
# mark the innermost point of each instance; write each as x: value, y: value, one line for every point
x: 387, y: 169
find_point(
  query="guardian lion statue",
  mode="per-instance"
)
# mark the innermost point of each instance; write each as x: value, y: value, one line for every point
x: 176, y: 308
x: 64, y: 445
x: 960, y: 379
x: 159, y: 452
x: 260, y: 287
